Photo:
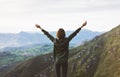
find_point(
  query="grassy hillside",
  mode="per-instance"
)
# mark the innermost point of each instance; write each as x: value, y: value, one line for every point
x: 109, y: 65
x: 99, y: 57
x: 11, y: 56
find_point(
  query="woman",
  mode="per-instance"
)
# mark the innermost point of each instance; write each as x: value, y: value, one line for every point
x: 61, y: 48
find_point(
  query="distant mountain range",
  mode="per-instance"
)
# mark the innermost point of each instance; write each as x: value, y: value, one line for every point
x: 99, y: 57
x: 27, y: 38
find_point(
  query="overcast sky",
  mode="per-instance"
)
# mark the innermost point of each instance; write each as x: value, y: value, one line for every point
x: 22, y: 15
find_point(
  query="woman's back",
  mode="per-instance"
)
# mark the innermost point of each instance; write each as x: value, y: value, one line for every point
x: 61, y: 49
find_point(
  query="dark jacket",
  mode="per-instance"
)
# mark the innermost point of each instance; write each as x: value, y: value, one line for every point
x: 61, y: 46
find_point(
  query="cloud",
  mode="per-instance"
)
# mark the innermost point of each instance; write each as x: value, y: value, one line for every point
x: 26, y: 13
x: 53, y: 6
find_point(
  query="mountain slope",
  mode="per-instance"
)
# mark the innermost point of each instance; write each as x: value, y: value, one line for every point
x: 109, y: 65
x: 99, y: 57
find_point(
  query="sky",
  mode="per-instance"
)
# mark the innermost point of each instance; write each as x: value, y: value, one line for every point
x: 22, y: 15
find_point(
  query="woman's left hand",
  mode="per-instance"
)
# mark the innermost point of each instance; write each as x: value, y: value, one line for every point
x: 84, y: 24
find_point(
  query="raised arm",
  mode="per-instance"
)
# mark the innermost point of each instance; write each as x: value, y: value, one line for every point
x: 76, y: 31
x: 46, y: 33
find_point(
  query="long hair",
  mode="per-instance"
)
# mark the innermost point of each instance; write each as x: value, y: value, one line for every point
x: 60, y: 33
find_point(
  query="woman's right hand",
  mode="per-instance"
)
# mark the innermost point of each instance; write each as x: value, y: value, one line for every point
x: 38, y: 26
